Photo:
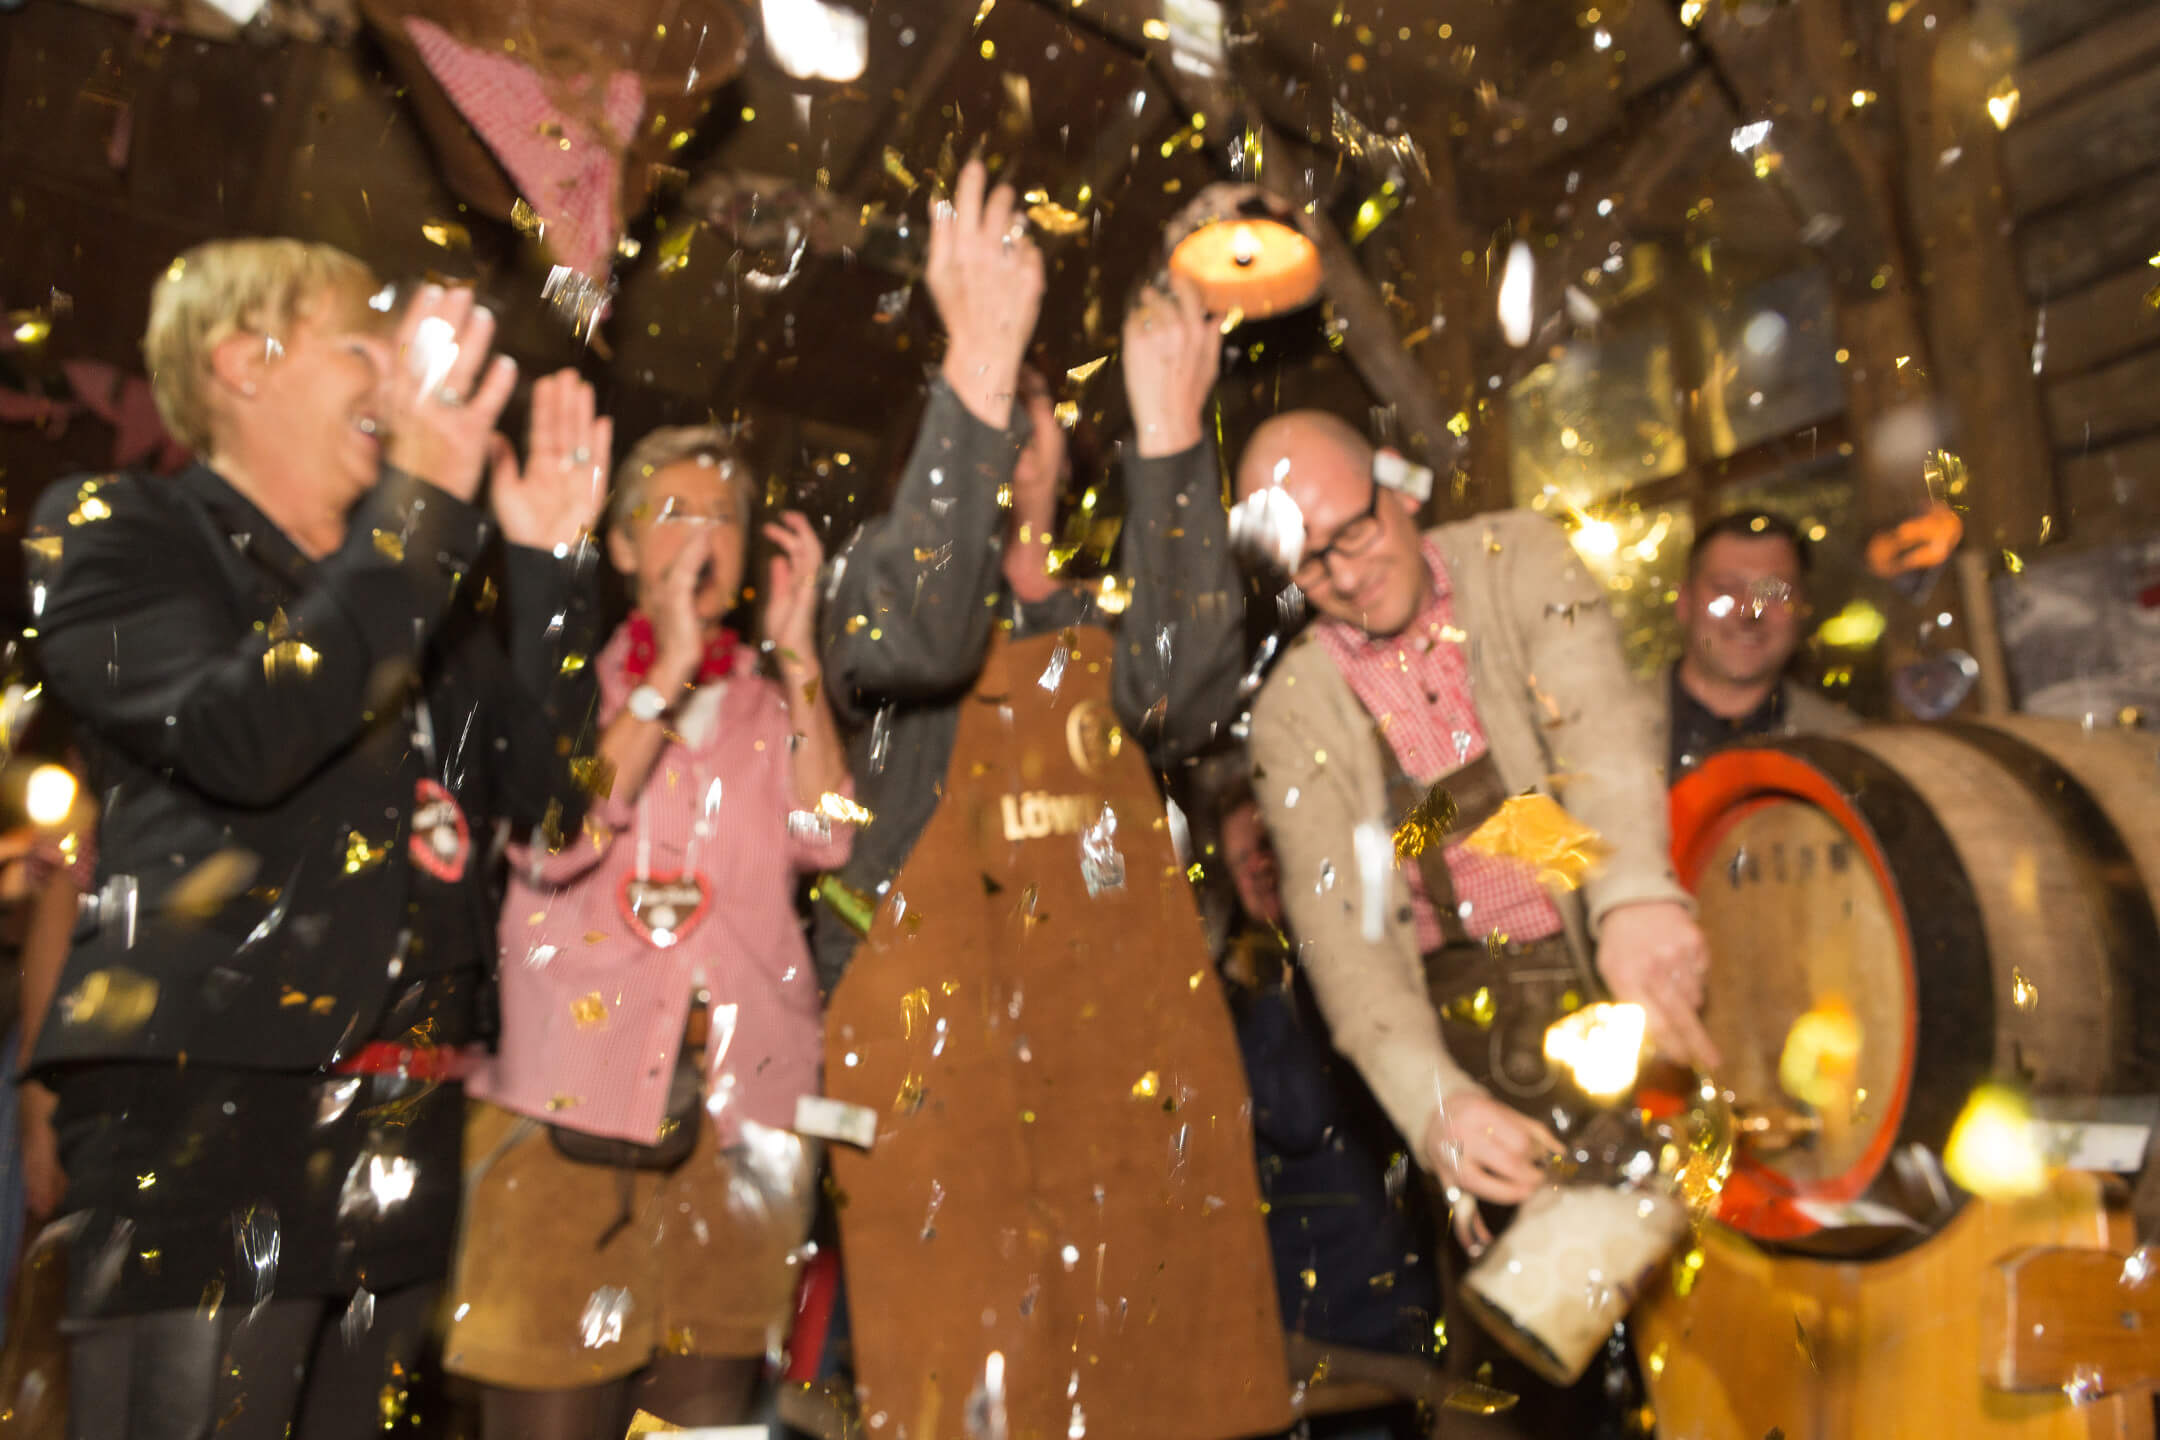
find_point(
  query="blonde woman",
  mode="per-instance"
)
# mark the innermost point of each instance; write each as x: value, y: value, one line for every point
x: 640, y: 1191
x: 301, y: 727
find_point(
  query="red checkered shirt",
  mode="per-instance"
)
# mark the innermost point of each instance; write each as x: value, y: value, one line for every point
x: 565, y: 171
x: 1417, y: 686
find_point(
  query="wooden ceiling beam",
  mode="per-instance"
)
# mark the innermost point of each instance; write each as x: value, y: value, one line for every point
x: 1773, y: 74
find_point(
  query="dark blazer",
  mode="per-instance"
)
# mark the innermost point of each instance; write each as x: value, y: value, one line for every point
x: 246, y: 721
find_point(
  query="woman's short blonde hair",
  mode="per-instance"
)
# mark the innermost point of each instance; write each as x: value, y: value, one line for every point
x: 671, y: 445
x: 228, y: 286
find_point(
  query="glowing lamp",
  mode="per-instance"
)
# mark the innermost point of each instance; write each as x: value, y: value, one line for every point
x: 1243, y: 253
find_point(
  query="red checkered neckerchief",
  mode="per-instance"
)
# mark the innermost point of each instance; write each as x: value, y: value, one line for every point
x: 571, y: 177
x: 718, y: 662
x: 1417, y: 687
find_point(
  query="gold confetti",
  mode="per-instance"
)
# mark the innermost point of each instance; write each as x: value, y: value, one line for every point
x: 1054, y: 219
x: 1426, y: 824
x: 564, y: 1102
x: 1686, y: 1269
x: 1992, y: 1150
x: 203, y: 891
x: 2002, y: 102
x: 594, y: 775
x: 1081, y: 374
x: 1146, y: 1087
x: 89, y: 508
x: 115, y: 999
x: 1155, y: 30
x: 1476, y: 1008
x: 1310, y: 1278
x: 841, y: 810
x: 290, y: 657
x: 390, y: 545
x: 526, y: 220
x: 914, y: 1004
x: 2012, y: 563
x: 447, y: 233
x: 360, y: 855
x: 28, y: 327
x: 1534, y: 829
x: 572, y: 663
x: 2023, y: 993
x: 1821, y: 1054
x: 675, y: 250
x: 589, y: 1010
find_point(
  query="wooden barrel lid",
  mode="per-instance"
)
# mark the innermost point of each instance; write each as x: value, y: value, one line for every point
x: 1803, y: 856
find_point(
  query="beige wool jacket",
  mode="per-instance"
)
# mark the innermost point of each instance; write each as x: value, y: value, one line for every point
x: 1561, y: 714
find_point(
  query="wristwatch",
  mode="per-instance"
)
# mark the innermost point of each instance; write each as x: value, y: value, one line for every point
x: 646, y: 703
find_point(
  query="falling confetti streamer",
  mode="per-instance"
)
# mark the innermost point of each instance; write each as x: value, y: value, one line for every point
x: 1426, y: 824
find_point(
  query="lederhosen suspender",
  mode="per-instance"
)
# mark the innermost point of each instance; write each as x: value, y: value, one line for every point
x: 1494, y: 997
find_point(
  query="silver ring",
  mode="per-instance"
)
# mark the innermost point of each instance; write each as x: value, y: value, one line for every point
x: 448, y: 395
x: 581, y: 456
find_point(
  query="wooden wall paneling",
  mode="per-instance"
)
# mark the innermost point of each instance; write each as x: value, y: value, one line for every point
x: 2108, y: 494
x: 2109, y: 132
x: 206, y: 120
x: 2093, y: 59
x: 2078, y: 244
x: 1979, y: 326
x: 102, y: 257
x: 2099, y: 323
x: 69, y: 91
x: 2042, y: 25
x: 1573, y: 102
x: 2111, y: 403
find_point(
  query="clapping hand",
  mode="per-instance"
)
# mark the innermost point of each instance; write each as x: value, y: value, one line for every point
x: 443, y: 395
x: 791, y: 601
x: 557, y: 497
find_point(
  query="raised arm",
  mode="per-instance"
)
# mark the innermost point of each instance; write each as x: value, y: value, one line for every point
x: 1181, y: 642
x: 907, y: 618
x: 546, y: 510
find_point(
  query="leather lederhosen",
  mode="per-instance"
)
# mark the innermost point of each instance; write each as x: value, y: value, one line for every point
x: 1495, y: 996
x: 1063, y: 1171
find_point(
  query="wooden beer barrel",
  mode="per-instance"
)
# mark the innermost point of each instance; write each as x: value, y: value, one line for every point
x: 1963, y: 901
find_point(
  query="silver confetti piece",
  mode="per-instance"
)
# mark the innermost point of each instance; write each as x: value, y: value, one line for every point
x: 256, y: 1241
x: 601, y: 1322
x: 1102, y: 866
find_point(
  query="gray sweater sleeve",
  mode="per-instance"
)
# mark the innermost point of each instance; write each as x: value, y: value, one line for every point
x: 909, y: 614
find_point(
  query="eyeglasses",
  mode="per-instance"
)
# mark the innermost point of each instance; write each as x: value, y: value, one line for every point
x: 673, y: 511
x: 1754, y: 599
x: 1352, y: 538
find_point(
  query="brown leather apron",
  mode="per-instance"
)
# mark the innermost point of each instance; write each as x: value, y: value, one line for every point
x: 1064, y: 1168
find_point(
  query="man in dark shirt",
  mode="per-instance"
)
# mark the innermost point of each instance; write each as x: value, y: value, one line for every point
x: 1743, y: 610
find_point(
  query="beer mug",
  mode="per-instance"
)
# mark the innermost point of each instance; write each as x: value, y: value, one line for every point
x: 1570, y: 1265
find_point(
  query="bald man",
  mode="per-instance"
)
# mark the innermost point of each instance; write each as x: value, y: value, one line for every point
x: 1479, y: 657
